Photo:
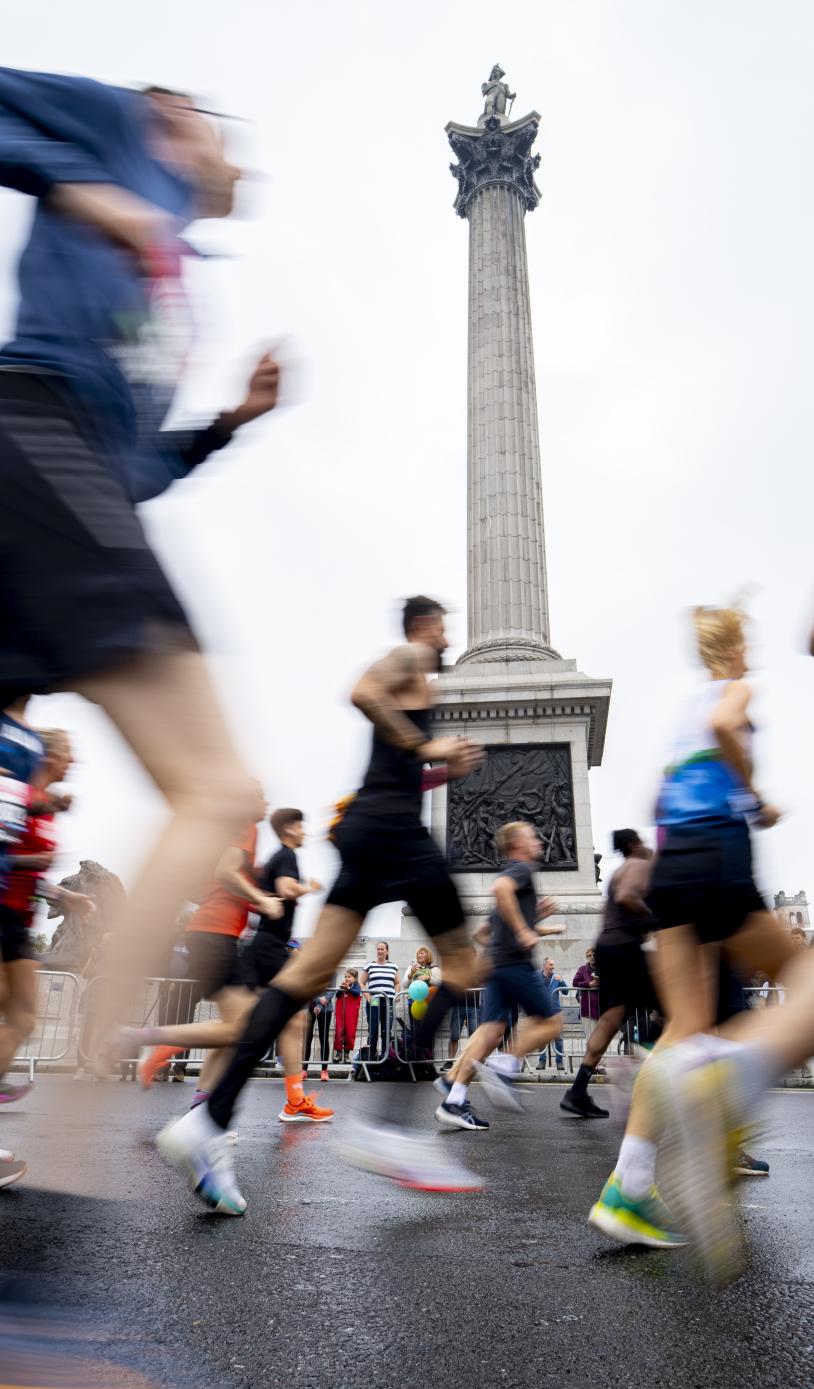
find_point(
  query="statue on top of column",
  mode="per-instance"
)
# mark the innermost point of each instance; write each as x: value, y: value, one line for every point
x: 497, y: 94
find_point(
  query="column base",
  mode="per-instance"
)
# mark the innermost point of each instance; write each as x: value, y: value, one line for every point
x: 508, y: 649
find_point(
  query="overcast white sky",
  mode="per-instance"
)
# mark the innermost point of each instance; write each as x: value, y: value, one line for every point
x: 673, y: 302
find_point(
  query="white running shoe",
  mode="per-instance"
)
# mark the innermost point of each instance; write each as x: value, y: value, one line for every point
x: 199, y: 1148
x: 11, y: 1168
x: 411, y: 1162
x: 499, y: 1086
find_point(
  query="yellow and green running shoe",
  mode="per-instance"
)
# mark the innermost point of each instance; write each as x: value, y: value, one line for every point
x: 645, y: 1220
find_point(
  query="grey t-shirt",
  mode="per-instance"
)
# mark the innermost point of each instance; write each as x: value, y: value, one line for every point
x: 505, y: 948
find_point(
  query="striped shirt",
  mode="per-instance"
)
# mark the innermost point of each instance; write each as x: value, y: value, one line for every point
x: 381, y: 979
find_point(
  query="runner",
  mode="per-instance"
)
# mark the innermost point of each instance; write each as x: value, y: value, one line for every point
x: 84, y: 387
x: 28, y: 860
x: 233, y: 981
x: 625, y: 987
x: 702, y: 894
x: 516, y: 928
x: 387, y: 856
x: 268, y: 951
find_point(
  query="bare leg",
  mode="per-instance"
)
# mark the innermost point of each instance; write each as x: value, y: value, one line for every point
x: 685, y: 974
x: 761, y: 945
x: 535, y: 1033
x: 480, y: 1045
x: 19, y: 1008
x: 607, y: 1026
x: 290, y: 1045
x: 310, y: 969
x: 301, y: 978
x: 166, y: 710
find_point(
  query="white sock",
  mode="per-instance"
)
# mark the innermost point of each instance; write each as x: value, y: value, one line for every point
x: 503, y: 1061
x: 636, y: 1166
x: 457, y: 1094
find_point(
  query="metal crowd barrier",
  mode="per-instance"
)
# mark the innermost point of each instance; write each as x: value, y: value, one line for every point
x: 159, y: 1002
x: 68, y: 1010
x: 54, y: 1033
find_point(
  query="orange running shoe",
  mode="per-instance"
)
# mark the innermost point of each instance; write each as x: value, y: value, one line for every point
x: 309, y: 1112
x: 154, y: 1061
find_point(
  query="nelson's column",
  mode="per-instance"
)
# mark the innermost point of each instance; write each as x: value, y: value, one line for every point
x: 541, y: 720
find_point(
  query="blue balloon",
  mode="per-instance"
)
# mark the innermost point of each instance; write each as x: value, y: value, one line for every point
x: 418, y: 990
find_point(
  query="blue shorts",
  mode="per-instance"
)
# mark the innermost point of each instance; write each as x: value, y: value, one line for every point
x: 521, y: 984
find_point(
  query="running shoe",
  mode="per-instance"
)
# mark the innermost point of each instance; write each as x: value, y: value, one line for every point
x: 308, y: 1112
x: 442, y: 1085
x: 11, y: 1169
x: 152, y: 1062
x: 584, y: 1106
x: 323, y: 1075
x: 645, y: 1220
x: 196, y: 1146
x: 500, y: 1087
x: 747, y: 1166
x: 459, y: 1116
x: 409, y: 1161
x: 9, y: 1093
x: 695, y: 1100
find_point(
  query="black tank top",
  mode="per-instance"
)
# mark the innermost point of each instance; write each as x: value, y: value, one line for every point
x: 392, y: 783
x: 620, y: 926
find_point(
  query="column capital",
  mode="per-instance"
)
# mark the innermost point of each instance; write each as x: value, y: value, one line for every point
x: 497, y: 152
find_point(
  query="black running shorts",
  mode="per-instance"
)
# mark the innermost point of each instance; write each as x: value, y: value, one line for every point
x: 213, y: 962
x: 702, y: 877
x: 395, y: 860
x: 82, y: 590
x: 262, y: 958
x: 624, y: 978
x: 15, y: 937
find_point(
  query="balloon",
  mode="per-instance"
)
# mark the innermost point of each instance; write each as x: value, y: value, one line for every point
x: 433, y: 990
x: 418, y: 1008
x: 418, y: 990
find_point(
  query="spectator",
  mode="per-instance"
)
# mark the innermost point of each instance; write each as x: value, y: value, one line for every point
x: 798, y: 938
x: 586, y: 982
x: 347, y: 1002
x: 557, y: 986
x: 320, y: 1011
x: 380, y: 982
x: 421, y: 968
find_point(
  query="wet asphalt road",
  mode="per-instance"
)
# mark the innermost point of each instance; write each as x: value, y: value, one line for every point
x: 335, y: 1278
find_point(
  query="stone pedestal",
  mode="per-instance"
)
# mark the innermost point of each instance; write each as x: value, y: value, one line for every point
x: 543, y: 726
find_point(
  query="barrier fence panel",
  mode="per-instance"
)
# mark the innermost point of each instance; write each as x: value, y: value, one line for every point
x: 54, y: 1033
x: 360, y: 1038
x: 159, y: 1003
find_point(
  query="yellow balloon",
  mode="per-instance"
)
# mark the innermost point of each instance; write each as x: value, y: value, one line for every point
x: 419, y: 1008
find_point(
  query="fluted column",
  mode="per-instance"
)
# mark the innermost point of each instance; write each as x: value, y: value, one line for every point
x: 507, y: 581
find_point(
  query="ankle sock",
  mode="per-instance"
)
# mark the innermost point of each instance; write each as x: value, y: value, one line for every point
x: 636, y: 1166
x: 457, y: 1094
x: 293, y: 1090
x: 580, y: 1086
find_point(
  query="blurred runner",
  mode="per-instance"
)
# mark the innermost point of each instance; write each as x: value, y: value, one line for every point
x: 387, y: 856
x: 85, y: 386
x: 703, y: 896
x: 625, y: 987
x: 515, y: 925
x: 220, y: 974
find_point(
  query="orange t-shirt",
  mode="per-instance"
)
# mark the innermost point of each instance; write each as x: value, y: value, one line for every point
x: 219, y: 912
